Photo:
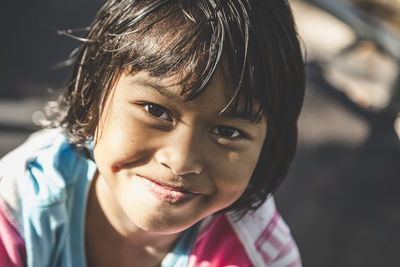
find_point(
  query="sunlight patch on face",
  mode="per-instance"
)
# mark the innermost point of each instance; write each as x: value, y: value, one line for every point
x: 233, y: 156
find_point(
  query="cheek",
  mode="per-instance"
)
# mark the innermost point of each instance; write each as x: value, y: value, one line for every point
x: 114, y: 151
x: 235, y: 173
x: 117, y: 143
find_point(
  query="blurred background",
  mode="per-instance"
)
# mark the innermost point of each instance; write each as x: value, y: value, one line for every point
x: 341, y: 198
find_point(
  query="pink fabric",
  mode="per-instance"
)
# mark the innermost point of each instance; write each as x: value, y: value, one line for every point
x: 296, y: 262
x: 219, y: 247
x: 276, y: 244
x: 12, y: 247
x: 265, y: 237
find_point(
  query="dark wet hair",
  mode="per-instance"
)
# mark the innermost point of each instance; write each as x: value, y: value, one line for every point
x: 255, y: 40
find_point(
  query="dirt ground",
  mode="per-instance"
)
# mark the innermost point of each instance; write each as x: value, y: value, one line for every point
x: 341, y: 196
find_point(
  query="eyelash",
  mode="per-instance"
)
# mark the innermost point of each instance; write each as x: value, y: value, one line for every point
x: 164, y: 113
x: 235, y: 133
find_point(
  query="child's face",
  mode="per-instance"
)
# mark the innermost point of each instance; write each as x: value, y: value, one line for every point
x: 169, y: 163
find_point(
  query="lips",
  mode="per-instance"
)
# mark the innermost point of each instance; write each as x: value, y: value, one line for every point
x: 168, y: 194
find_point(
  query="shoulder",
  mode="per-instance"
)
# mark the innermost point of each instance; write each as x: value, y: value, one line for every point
x: 13, y: 167
x: 218, y: 245
x: 266, y: 237
x: 260, y: 238
x: 28, y: 149
x: 37, y: 173
x: 14, y: 163
x: 42, y: 190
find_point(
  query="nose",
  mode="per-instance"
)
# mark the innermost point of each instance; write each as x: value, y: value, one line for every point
x: 181, y: 153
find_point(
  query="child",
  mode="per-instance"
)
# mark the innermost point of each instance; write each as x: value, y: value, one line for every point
x: 178, y: 124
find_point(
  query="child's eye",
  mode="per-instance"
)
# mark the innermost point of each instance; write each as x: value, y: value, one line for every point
x: 227, y: 132
x: 157, y: 111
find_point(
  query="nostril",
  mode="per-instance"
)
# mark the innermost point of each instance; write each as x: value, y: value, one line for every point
x: 180, y: 158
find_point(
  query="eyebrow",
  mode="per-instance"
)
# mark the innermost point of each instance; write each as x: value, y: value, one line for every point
x: 238, y: 115
x: 162, y: 90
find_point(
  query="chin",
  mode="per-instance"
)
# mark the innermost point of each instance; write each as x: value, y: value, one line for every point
x: 163, y: 227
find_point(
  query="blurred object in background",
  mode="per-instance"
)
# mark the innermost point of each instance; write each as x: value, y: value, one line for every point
x: 387, y: 10
x: 354, y: 51
x: 341, y: 197
x: 30, y: 45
